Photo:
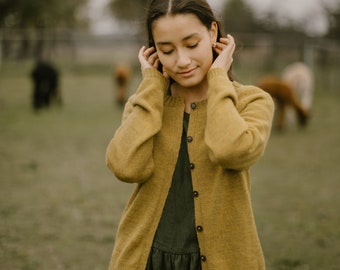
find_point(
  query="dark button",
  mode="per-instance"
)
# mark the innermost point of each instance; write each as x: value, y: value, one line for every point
x: 203, y: 258
x: 192, y: 166
x: 189, y: 139
x: 195, y: 193
x: 199, y: 228
x: 193, y: 106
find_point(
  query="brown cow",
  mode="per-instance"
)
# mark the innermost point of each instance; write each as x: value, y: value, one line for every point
x: 285, y: 96
x: 121, y: 79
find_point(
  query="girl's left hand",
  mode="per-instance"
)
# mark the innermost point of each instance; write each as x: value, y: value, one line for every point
x: 225, y: 49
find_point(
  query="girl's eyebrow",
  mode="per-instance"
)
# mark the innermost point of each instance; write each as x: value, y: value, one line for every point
x: 184, y: 39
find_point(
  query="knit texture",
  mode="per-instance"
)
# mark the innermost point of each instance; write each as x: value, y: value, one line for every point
x: 229, y: 131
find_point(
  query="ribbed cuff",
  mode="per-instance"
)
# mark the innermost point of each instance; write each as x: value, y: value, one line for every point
x: 152, y: 72
x: 216, y: 72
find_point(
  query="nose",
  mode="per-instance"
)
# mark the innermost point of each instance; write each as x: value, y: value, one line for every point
x: 183, y: 59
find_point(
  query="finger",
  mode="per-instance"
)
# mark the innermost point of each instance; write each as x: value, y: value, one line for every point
x: 224, y: 41
x: 223, y: 45
x: 165, y: 74
x: 142, y: 60
x: 149, y: 51
x: 218, y: 50
x: 220, y: 47
x: 231, y: 42
x: 141, y: 53
x: 153, y: 59
x: 231, y: 38
x: 228, y: 41
x: 156, y: 63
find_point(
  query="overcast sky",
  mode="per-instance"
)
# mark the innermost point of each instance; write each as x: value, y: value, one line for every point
x: 308, y: 13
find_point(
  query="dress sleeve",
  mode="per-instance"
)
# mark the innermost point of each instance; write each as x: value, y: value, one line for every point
x: 239, y: 120
x: 129, y: 153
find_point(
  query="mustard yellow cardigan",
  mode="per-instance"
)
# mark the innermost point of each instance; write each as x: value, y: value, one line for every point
x: 229, y: 131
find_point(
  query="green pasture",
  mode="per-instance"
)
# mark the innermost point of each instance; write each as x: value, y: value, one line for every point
x: 60, y: 205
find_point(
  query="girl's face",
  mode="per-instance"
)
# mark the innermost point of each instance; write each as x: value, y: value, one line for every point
x: 184, y: 47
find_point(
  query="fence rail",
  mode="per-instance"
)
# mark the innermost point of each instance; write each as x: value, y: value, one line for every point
x: 259, y: 53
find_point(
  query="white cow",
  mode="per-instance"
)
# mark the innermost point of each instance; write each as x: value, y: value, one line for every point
x: 301, y: 78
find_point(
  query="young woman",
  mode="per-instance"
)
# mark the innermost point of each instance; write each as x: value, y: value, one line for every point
x: 187, y: 139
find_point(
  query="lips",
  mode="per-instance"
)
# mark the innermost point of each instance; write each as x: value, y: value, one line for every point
x: 187, y: 73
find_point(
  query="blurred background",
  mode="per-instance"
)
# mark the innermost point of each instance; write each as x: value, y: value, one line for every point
x: 66, y: 69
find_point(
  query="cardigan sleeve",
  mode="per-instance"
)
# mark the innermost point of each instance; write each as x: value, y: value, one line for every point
x: 129, y: 153
x: 239, y: 120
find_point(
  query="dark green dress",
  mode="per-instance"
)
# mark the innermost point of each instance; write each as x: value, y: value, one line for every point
x: 175, y: 245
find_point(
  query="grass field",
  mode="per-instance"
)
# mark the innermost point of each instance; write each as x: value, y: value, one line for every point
x: 60, y: 205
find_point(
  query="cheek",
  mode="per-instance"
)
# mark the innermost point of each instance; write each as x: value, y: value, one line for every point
x: 166, y: 62
x: 205, y: 53
x: 211, y: 52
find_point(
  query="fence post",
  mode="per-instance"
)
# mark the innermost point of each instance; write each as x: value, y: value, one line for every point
x: 1, y: 39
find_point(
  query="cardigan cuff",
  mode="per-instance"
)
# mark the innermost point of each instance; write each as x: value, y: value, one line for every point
x: 216, y: 72
x: 153, y: 73
x: 220, y: 85
x: 152, y: 76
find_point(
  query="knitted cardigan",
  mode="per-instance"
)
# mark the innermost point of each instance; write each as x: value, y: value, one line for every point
x: 228, y: 133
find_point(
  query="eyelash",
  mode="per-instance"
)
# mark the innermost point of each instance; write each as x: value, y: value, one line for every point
x: 193, y: 46
x: 189, y: 46
x: 168, y: 52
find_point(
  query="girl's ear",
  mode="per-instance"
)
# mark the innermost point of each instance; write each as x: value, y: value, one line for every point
x: 213, y: 32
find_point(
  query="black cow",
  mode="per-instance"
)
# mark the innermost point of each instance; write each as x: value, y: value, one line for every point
x: 45, y: 89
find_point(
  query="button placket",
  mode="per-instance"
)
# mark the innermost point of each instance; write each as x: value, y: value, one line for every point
x: 199, y: 228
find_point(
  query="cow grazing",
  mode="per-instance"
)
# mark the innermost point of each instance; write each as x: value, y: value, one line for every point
x: 301, y: 78
x: 285, y: 97
x: 121, y: 78
x: 45, y: 85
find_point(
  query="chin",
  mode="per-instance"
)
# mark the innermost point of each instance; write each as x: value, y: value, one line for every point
x: 190, y: 82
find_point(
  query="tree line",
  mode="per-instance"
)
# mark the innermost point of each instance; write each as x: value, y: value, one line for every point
x: 35, y: 16
x: 32, y: 18
x: 238, y: 17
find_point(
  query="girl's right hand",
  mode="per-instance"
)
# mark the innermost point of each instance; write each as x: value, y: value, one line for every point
x: 148, y: 58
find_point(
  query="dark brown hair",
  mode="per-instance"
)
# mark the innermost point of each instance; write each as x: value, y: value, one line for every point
x: 200, y: 8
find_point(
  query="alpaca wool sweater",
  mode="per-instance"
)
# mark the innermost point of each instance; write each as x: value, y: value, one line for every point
x: 227, y: 133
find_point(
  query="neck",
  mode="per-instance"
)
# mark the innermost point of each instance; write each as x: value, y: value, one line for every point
x: 190, y: 94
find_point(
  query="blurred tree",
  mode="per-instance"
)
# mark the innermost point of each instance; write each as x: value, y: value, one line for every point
x: 238, y: 17
x: 334, y: 23
x: 37, y: 16
x: 41, y: 13
x: 128, y: 10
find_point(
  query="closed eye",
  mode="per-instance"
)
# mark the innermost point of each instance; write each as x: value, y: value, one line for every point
x: 167, y: 52
x: 193, y: 45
